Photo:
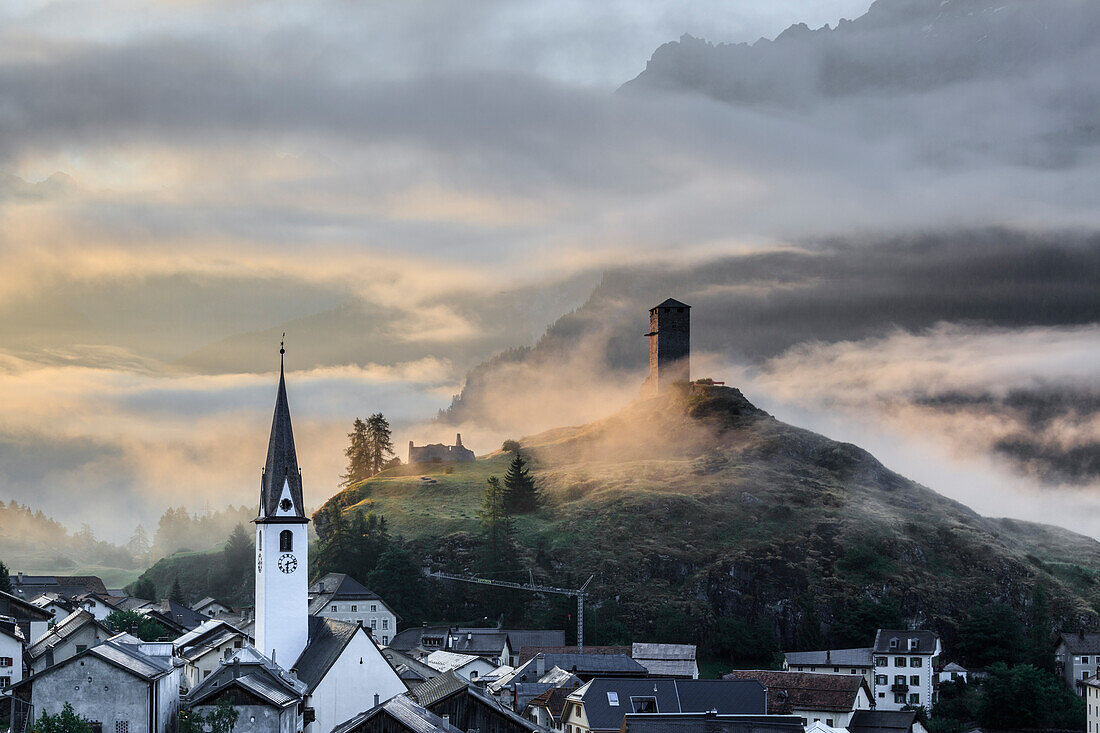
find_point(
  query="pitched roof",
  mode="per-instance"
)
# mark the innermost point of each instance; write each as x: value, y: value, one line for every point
x: 861, y: 657
x: 130, y: 658
x: 342, y: 585
x: 405, y: 712
x: 667, y: 660
x: 954, y: 667
x: 712, y: 723
x: 528, y: 652
x: 1081, y: 643
x: 583, y: 664
x: 327, y: 639
x: 519, y: 638
x: 788, y: 691
x: 21, y: 608
x: 408, y: 668
x: 8, y: 627
x: 434, y: 690
x: 282, y: 459
x: 552, y: 701
x: 446, y: 661
x: 62, y: 630
x: 875, y: 721
x: 671, y: 303
x: 177, y: 613
x: 254, y: 672
x: 477, y: 641
x: 670, y: 696
x: 926, y: 641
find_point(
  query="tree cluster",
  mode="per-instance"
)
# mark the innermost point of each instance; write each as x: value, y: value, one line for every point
x: 179, y: 529
x: 136, y: 624
x: 370, y: 449
x: 1020, y: 696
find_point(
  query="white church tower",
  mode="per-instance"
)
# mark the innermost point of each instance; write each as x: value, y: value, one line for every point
x: 282, y: 561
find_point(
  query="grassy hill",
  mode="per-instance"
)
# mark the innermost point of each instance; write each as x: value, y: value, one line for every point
x: 697, y: 506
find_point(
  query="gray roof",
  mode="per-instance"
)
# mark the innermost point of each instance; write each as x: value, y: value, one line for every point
x: 282, y: 459
x: 178, y: 613
x: 582, y: 664
x: 342, y: 585
x: 404, y: 711
x: 519, y: 638
x: 327, y: 639
x: 478, y: 642
x: 62, y: 630
x: 870, y: 721
x: 255, y: 673
x: 746, y: 697
x: 663, y: 651
x: 407, y: 667
x: 695, y: 722
x: 437, y: 688
x: 836, y: 657
x: 671, y: 303
x: 129, y: 658
x: 1082, y: 643
x: 954, y: 667
x: 667, y: 660
x: 926, y: 641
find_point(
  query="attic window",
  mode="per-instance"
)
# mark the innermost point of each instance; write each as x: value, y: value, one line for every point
x: 643, y: 704
x: 893, y: 643
x: 914, y: 644
x: 613, y: 699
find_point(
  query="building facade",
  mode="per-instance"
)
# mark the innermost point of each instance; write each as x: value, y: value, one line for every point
x: 341, y: 597
x: 439, y: 453
x: 669, y: 346
x: 1077, y: 659
x: 904, y: 668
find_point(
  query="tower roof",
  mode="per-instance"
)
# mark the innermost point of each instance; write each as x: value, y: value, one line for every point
x: 671, y: 303
x: 282, y: 461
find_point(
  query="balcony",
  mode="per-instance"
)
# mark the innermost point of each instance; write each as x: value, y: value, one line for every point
x: 899, y: 688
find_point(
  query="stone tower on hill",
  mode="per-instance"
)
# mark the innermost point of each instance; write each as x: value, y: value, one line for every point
x: 669, y: 346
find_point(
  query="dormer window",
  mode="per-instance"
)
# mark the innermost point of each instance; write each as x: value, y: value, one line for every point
x: 286, y: 540
x: 893, y: 643
x: 914, y: 644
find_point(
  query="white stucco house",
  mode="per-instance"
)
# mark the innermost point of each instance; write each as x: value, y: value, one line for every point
x: 11, y: 653
x: 342, y: 597
x: 904, y: 668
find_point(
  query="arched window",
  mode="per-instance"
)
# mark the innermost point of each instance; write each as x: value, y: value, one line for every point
x: 286, y: 541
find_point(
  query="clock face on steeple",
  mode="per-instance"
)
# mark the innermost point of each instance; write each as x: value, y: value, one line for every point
x: 287, y: 563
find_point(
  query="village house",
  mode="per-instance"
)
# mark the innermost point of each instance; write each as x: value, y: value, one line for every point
x: 70, y: 636
x: 174, y: 614
x: 833, y: 661
x: 54, y: 605
x: 667, y: 660
x: 953, y: 672
x: 904, y: 668
x: 885, y: 721
x: 1092, y: 705
x: 397, y: 715
x: 1077, y: 657
x: 29, y: 587
x: 267, y: 699
x: 711, y: 722
x: 12, y: 644
x: 518, y: 639
x: 100, y: 606
x: 548, y: 708
x: 204, y: 648
x: 122, y: 685
x: 585, y: 666
x: 412, y: 671
x: 601, y: 704
x: 492, y: 644
x: 211, y: 607
x: 468, y: 707
x: 339, y: 596
x: 819, y: 698
x: 468, y: 666
x: 32, y: 620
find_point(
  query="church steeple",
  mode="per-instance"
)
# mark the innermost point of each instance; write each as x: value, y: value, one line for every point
x: 281, y: 478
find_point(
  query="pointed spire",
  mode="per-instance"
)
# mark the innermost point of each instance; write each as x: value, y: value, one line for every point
x: 281, y: 468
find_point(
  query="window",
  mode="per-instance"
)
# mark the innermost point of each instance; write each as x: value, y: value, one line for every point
x: 881, y: 679
x: 829, y: 722
x: 899, y: 698
x: 385, y: 640
x: 374, y: 623
x: 1084, y: 660
x: 286, y: 541
x: 854, y: 672
x: 122, y: 726
x: 899, y: 662
x: 385, y: 623
x: 643, y: 704
x: 81, y: 648
x: 881, y: 661
x: 374, y: 606
x: 914, y: 680
x: 899, y: 679
x: 800, y: 669
x: 915, y: 661
x: 882, y: 694
x: 613, y: 699
x: 354, y: 607
x: 914, y: 698
x: 5, y: 661
x: 836, y: 669
x: 893, y: 643
x: 333, y: 606
x: 473, y: 674
x: 205, y: 673
x: 5, y: 682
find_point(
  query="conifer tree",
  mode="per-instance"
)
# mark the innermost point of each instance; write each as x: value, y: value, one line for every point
x: 399, y: 580
x: 357, y: 454
x: 496, y: 524
x: 379, y: 443
x: 334, y: 547
x: 176, y: 593
x: 5, y: 579
x: 521, y: 493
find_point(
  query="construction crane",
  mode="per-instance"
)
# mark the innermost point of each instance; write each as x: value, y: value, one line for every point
x: 578, y: 592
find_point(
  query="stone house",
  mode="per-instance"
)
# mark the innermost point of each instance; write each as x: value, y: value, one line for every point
x: 468, y: 707
x: 122, y: 685
x: 31, y: 619
x: 1077, y: 658
x: 205, y: 648
x: 830, y: 699
x: 70, y: 636
x: 340, y: 596
x: 397, y: 715
x: 267, y: 699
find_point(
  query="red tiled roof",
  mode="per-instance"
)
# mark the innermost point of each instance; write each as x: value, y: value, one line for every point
x: 789, y: 691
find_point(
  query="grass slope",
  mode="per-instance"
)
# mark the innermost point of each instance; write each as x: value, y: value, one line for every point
x: 697, y: 505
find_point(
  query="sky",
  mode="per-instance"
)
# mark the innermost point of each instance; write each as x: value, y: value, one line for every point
x: 408, y: 188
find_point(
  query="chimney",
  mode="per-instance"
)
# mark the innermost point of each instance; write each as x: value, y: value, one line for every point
x: 19, y: 579
x: 273, y: 657
x: 376, y: 699
x: 540, y: 665
x: 446, y: 719
x: 458, y: 439
x: 236, y: 668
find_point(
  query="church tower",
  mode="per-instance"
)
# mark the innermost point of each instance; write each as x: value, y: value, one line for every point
x: 282, y: 561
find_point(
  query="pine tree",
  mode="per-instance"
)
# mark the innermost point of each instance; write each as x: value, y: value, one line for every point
x: 144, y: 588
x: 496, y: 525
x: 176, y: 593
x: 238, y: 555
x: 334, y: 547
x: 5, y: 579
x: 139, y: 543
x: 379, y: 443
x: 522, y: 495
x: 399, y: 580
x: 357, y: 454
